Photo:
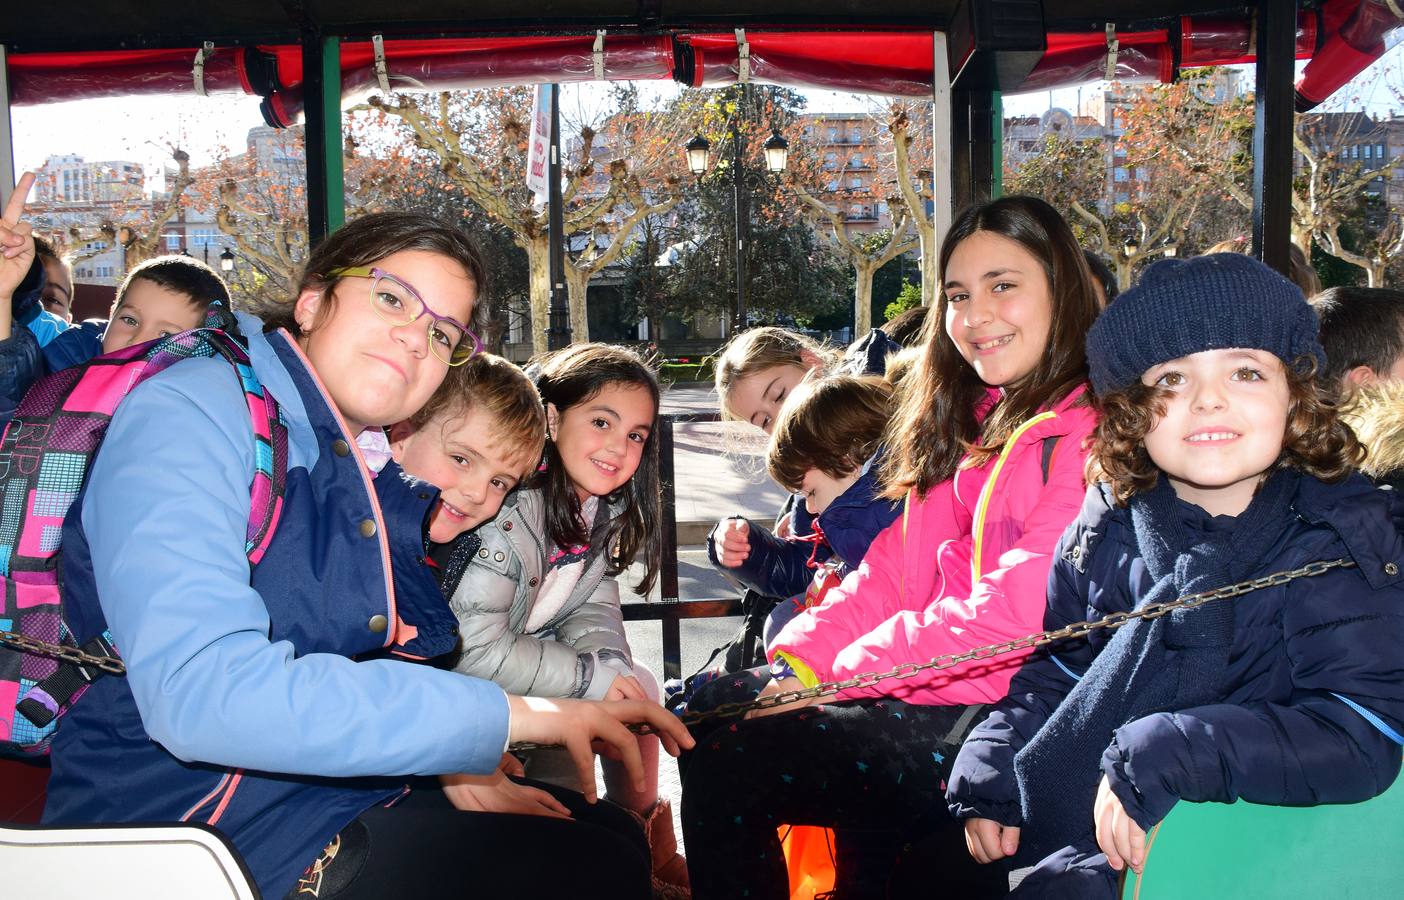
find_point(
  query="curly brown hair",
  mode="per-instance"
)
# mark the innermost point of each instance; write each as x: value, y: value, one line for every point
x: 1317, y: 441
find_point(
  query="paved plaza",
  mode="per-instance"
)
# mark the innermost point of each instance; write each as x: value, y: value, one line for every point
x: 720, y: 471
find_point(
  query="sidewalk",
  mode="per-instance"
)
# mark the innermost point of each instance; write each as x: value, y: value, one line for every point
x: 719, y: 467
x: 719, y: 470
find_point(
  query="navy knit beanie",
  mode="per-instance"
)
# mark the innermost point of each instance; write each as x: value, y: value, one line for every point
x: 1184, y: 306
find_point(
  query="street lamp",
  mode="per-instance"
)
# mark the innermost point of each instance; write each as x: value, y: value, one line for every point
x: 1131, y: 246
x: 1170, y: 251
x: 226, y: 260
x: 697, y: 150
x: 742, y: 181
x: 777, y: 153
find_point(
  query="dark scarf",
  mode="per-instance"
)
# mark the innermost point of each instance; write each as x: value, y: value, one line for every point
x: 1173, y: 662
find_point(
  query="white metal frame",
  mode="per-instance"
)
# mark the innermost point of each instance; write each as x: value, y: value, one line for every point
x: 158, y: 862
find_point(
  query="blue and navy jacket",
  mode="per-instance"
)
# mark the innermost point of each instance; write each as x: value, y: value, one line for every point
x: 249, y: 702
x: 780, y: 568
x: 1313, y: 707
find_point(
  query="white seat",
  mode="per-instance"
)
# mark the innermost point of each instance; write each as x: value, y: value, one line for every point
x: 150, y: 862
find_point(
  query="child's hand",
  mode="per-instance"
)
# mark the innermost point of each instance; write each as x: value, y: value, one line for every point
x: 988, y: 840
x: 1120, y: 838
x: 785, y: 525
x: 511, y: 766
x: 574, y: 724
x: 625, y: 687
x: 775, y: 687
x: 16, y: 248
x: 732, y: 543
x: 498, y: 793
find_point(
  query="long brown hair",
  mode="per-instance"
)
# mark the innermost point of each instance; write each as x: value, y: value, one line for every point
x: 761, y: 348
x: 575, y: 375
x: 935, y: 427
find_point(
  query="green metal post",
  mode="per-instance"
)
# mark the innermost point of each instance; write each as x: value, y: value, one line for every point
x: 331, y: 127
x: 997, y: 176
x: 326, y: 196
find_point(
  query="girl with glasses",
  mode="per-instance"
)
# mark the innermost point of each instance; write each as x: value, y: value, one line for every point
x: 282, y: 703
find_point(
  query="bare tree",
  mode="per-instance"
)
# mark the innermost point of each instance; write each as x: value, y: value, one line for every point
x: 479, y: 140
x: 916, y: 190
x: 138, y: 227
x: 867, y: 253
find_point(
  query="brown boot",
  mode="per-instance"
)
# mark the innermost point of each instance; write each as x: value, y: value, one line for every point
x: 669, y: 867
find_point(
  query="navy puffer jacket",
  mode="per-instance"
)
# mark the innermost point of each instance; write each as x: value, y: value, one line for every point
x: 780, y: 568
x: 21, y: 363
x: 1313, y: 710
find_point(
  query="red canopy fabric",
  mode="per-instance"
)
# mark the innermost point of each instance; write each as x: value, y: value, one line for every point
x: 865, y: 62
x: 1350, y: 33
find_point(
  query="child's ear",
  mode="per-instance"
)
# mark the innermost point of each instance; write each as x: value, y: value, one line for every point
x: 1360, y: 375
x: 553, y: 417
x: 399, y: 435
x: 305, y: 310
x: 811, y: 360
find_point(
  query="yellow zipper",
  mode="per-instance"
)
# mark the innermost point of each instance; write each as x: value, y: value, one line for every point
x: 978, y: 529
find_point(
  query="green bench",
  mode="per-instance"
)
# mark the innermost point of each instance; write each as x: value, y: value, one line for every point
x: 1336, y: 852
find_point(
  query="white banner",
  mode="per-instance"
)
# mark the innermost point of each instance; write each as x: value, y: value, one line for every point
x: 539, y: 150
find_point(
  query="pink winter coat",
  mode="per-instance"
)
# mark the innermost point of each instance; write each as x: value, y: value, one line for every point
x: 952, y: 575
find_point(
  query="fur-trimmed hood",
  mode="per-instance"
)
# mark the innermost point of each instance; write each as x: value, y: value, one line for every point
x: 1376, y: 413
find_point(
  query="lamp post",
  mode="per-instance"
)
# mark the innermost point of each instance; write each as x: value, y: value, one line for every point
x: 226, y: 261
x: 743, y: 181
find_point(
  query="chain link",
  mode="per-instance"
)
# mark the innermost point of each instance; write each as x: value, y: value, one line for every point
x: 62, y: 653
x: 865, y: 680
x: 1074, y: 630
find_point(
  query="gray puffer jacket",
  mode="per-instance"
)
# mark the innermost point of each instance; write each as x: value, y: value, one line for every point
x: 577, y: 652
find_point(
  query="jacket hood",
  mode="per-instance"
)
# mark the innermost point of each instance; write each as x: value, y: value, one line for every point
x: 1376, y: 414
x: 1353, y: 509
x: 868, y: 355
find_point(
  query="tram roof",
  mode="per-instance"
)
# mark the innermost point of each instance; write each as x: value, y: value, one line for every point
x: 129, y: 24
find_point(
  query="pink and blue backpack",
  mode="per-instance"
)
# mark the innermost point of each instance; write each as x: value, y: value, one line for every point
x: 45, y: 455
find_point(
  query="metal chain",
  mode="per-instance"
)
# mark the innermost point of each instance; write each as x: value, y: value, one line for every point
x: 62, y: 653
x: 1075, y: 630
x: 864, y: 680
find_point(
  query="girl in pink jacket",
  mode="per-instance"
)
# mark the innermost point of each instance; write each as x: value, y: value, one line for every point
x: 988, y: 449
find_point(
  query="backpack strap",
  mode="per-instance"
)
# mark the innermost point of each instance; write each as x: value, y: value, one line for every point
x: 270, y: 448
x: 1050, y: 443
x: 906, y: 512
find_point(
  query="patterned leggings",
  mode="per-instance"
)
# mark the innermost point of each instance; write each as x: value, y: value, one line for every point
x: 873, y: 770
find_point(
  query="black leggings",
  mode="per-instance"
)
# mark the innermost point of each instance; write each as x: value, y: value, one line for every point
x: 424, y: 849
x: 873, y: 770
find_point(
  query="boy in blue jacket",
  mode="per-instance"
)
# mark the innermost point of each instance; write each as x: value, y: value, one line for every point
x: 160, y: 297
x: 1222, y: 459
x: 826, y: 447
